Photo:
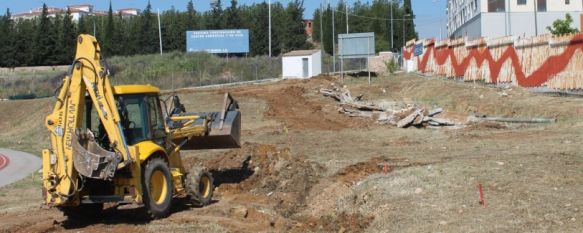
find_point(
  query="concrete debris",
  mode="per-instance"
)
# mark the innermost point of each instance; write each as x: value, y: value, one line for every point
x: 400, y: 115
x: 481, y: 117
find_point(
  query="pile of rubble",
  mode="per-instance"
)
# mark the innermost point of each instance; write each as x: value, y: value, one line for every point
x: 400, y: 115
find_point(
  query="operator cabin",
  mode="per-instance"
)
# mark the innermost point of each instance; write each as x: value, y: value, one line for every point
x: 301, y: 64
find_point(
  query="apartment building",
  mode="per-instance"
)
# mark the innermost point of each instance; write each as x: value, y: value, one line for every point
x: 77, y: 11
x: 496, y: 18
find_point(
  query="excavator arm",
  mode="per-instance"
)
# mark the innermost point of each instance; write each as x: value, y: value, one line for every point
x: 74, y: 151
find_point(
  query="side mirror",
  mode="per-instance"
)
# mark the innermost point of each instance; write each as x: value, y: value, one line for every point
x: 177, y: 107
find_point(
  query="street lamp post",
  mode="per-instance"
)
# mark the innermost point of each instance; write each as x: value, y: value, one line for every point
x: 333, y: 40
x: 392, y: 45
x: 535, y: 17
x: 346, y: 10
x: 269, y: 27
x: 404, y: 21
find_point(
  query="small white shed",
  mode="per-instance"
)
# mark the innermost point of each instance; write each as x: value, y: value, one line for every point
x: 301, y: 64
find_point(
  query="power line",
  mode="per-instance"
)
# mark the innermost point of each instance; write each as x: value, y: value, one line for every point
x: 385, y: 19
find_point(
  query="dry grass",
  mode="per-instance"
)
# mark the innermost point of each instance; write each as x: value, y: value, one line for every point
x: 531, y: 174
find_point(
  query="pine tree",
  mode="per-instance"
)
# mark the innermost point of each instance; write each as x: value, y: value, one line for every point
x: 190, y: 16
x: 295, y: 37
x: 233, y: 20
x: 67, y: 38
x: 279, y: 24
x: 120, y: 36
x: 108, y: 46
x: 410, y: 32
x: 173, y: 30
x: 259, y: 36
x: 81, y: 26
x: 147, y: 40
x: 5, y: 31
x: 216, y: 20
x: 25, y: 30
x: 44, y: 39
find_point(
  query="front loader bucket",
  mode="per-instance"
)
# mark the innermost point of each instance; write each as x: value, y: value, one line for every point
x: 218, y: 130
x: 217, y: 137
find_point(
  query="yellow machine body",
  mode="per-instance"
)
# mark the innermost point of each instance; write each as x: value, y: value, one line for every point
x: 93, y: 157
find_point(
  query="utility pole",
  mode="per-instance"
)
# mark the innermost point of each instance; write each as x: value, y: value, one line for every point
x: 269, y: 28
x: 506, y: 17
x: 322, y: 27
x: 346, y: 6
x: 334, y: 40
x: 535, y: 18
x: 160, y: 31
x: 404, y: 22
x: 392, y: 44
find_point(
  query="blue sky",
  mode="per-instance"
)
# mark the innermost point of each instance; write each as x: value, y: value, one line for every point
x: 430, y: 13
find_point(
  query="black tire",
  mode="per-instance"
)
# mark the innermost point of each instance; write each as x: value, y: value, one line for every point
x: 82, y: 212
x: 155, y: 176
x: 200, y: 186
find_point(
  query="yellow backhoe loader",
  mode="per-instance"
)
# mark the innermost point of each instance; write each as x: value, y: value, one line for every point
x: 118, y: 144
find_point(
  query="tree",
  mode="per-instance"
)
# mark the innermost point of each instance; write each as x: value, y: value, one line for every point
x: 279, y: 23
x: 233, y: 20
x: 410, y: 32
x: 4, y: 33
x: 216, y: 16
x: 562, y: 27
x: 295, y: 36
x: 148, y: 39
x: 108, y: 42
x: 259, y: 36
x: 190, y: 16
x: 81, y: 25
x: 25, y: 30
x: 44, y: 41
x: 67, y: 39
x: 173, y: 30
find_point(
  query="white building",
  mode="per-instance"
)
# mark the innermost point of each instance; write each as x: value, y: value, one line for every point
x: 77, y: 11
x: 497, y: 18
x: 301, y: 64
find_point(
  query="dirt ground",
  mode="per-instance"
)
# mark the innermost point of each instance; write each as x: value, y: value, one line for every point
x: 304, y: 167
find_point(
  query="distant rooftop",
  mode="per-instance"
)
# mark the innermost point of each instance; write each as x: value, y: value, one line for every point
x: 301, y: 53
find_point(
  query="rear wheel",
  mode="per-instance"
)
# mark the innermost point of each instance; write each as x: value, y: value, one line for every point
x: 157, y: 188
x: 199, y: 183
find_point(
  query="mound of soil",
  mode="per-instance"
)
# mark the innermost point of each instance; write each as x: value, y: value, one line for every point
x: 358, y: 171
x: 266, y: 170
x: 340, y: 223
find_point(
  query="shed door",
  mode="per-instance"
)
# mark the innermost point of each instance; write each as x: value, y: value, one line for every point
x: 306, y: 66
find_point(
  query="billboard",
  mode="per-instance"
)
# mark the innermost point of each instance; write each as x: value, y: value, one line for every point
x: 356, y: 45
x: 218, y: 41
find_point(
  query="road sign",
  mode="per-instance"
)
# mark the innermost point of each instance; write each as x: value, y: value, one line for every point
x: 356, y: 45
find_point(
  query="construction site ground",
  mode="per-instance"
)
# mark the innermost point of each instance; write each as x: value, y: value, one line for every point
x: 304, y: 167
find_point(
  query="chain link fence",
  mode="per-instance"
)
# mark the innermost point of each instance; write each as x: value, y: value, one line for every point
x: 170, y: 71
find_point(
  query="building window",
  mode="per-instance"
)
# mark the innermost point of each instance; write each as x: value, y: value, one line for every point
x: 567, y: 2
x: 521, y: 2
x: 496, y: 6
x: 542, y: 5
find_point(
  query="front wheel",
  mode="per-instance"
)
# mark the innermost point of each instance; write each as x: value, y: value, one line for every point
x: 199, y: 183
x: 157, y: 188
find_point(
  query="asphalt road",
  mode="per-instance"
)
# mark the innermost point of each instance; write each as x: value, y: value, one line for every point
x: 16, y: 165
